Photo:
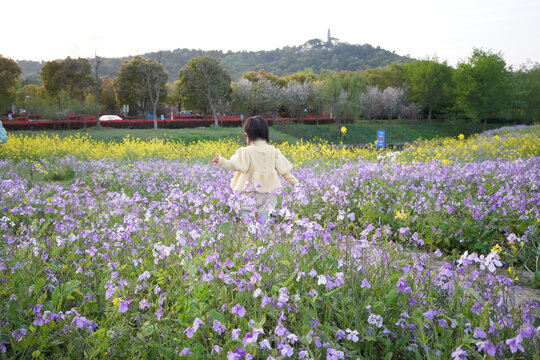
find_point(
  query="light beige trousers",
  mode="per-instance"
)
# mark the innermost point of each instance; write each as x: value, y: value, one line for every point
x: 264, y: 203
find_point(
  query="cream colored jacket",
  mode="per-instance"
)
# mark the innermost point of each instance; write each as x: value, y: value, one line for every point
x: 258, y: 167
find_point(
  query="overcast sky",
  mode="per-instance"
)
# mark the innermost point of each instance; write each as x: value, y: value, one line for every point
x: 55, y: 29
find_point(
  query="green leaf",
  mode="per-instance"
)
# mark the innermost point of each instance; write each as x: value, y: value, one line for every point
x: 214, y: 315
x: 69, y: 287
x: 280, y: 249
x: 285, y: 262
x: 55, y: 295
x: 260, y: 324
x: 537, y: 276
x: 391, y: 297
x: 225, y: 227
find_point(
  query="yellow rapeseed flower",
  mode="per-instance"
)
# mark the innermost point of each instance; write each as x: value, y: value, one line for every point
x: 496, y: 248
x: 45, y: 147
x: 461, y: 137
x: 116, y: 301
x: 400, y: 215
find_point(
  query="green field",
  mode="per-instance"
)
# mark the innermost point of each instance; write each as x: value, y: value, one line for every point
x: 362, y: 132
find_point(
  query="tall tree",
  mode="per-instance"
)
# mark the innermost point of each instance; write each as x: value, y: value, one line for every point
x: 173, y: 96
x: 155, y: 77
x: 74, y: 76
x: 203, y: 84
x: 429, y: 83
x: 107, y: 96
x: 482, y: 85
x: 52, y: 76
x: 77, y: 78
x: 296, y: 96
x: 9, y: 72
x: 242, y: 96
x: 131, y: 87
x: 527, y: 92
x: 98, y: 60
x: 385, y: 76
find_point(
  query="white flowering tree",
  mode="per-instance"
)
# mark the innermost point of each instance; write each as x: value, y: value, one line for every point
x: 296, y: 97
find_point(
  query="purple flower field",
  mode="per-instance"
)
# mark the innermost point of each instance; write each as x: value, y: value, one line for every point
x: 154, y: 259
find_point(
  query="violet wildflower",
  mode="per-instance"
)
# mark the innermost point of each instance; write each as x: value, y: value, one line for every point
x: 233, y: 356
x: 185, y: 351
x: 265, y: 345
x: 265, y: 301
x: 286, y: 350
x: 91, y: 251
x: 430, y: 314
x: 189, y: 332
x: 490, y: 261
x: 196, y: 323
x: 123, y: 306
x: 515, y: 344
x: 144, y: 276
x: 250, y: 339
x: 143, y: 304
x: 235, y: 334
x: 402, y: 285
x: 280, y: 330
x: 240, y: 351
x: 459, y: 354
x: 365, y: 283
x: 486, y: 346
x: 479, y: 333
x: 218, y: 327
x: 19, y: 334
x: 207, y: 277
x: 376, y: 320
x: 257, y: 292
x: 238, y: 310
x: 333, y: 354
x: 352, y: 335
x: 292, y: 338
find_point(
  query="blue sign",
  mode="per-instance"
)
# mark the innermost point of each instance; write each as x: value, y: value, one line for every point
x: 381, y: 134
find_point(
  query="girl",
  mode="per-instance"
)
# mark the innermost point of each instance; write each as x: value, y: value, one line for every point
x: 258, y: 167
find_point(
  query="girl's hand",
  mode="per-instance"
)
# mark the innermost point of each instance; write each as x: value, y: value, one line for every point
x: 216, y: 160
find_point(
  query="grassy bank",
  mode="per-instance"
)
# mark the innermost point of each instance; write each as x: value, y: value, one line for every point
x: 185, y: 135
x: 397, y: 131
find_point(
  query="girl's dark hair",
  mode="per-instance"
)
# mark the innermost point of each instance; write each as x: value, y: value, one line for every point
x: 256, y: 128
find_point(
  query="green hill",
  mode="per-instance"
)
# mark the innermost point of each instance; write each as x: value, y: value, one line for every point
x: 314, y: 54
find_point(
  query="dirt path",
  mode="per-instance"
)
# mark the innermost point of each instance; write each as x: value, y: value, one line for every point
x: 524, y: 293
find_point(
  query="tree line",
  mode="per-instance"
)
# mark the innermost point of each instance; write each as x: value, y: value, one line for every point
x: 314, y: 54
x: 481, y: 88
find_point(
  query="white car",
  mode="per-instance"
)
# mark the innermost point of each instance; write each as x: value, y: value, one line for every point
x: 109, y: 117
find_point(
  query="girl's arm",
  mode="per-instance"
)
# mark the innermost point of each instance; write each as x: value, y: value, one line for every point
x: 284, y: 167
x: 238, y: 162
